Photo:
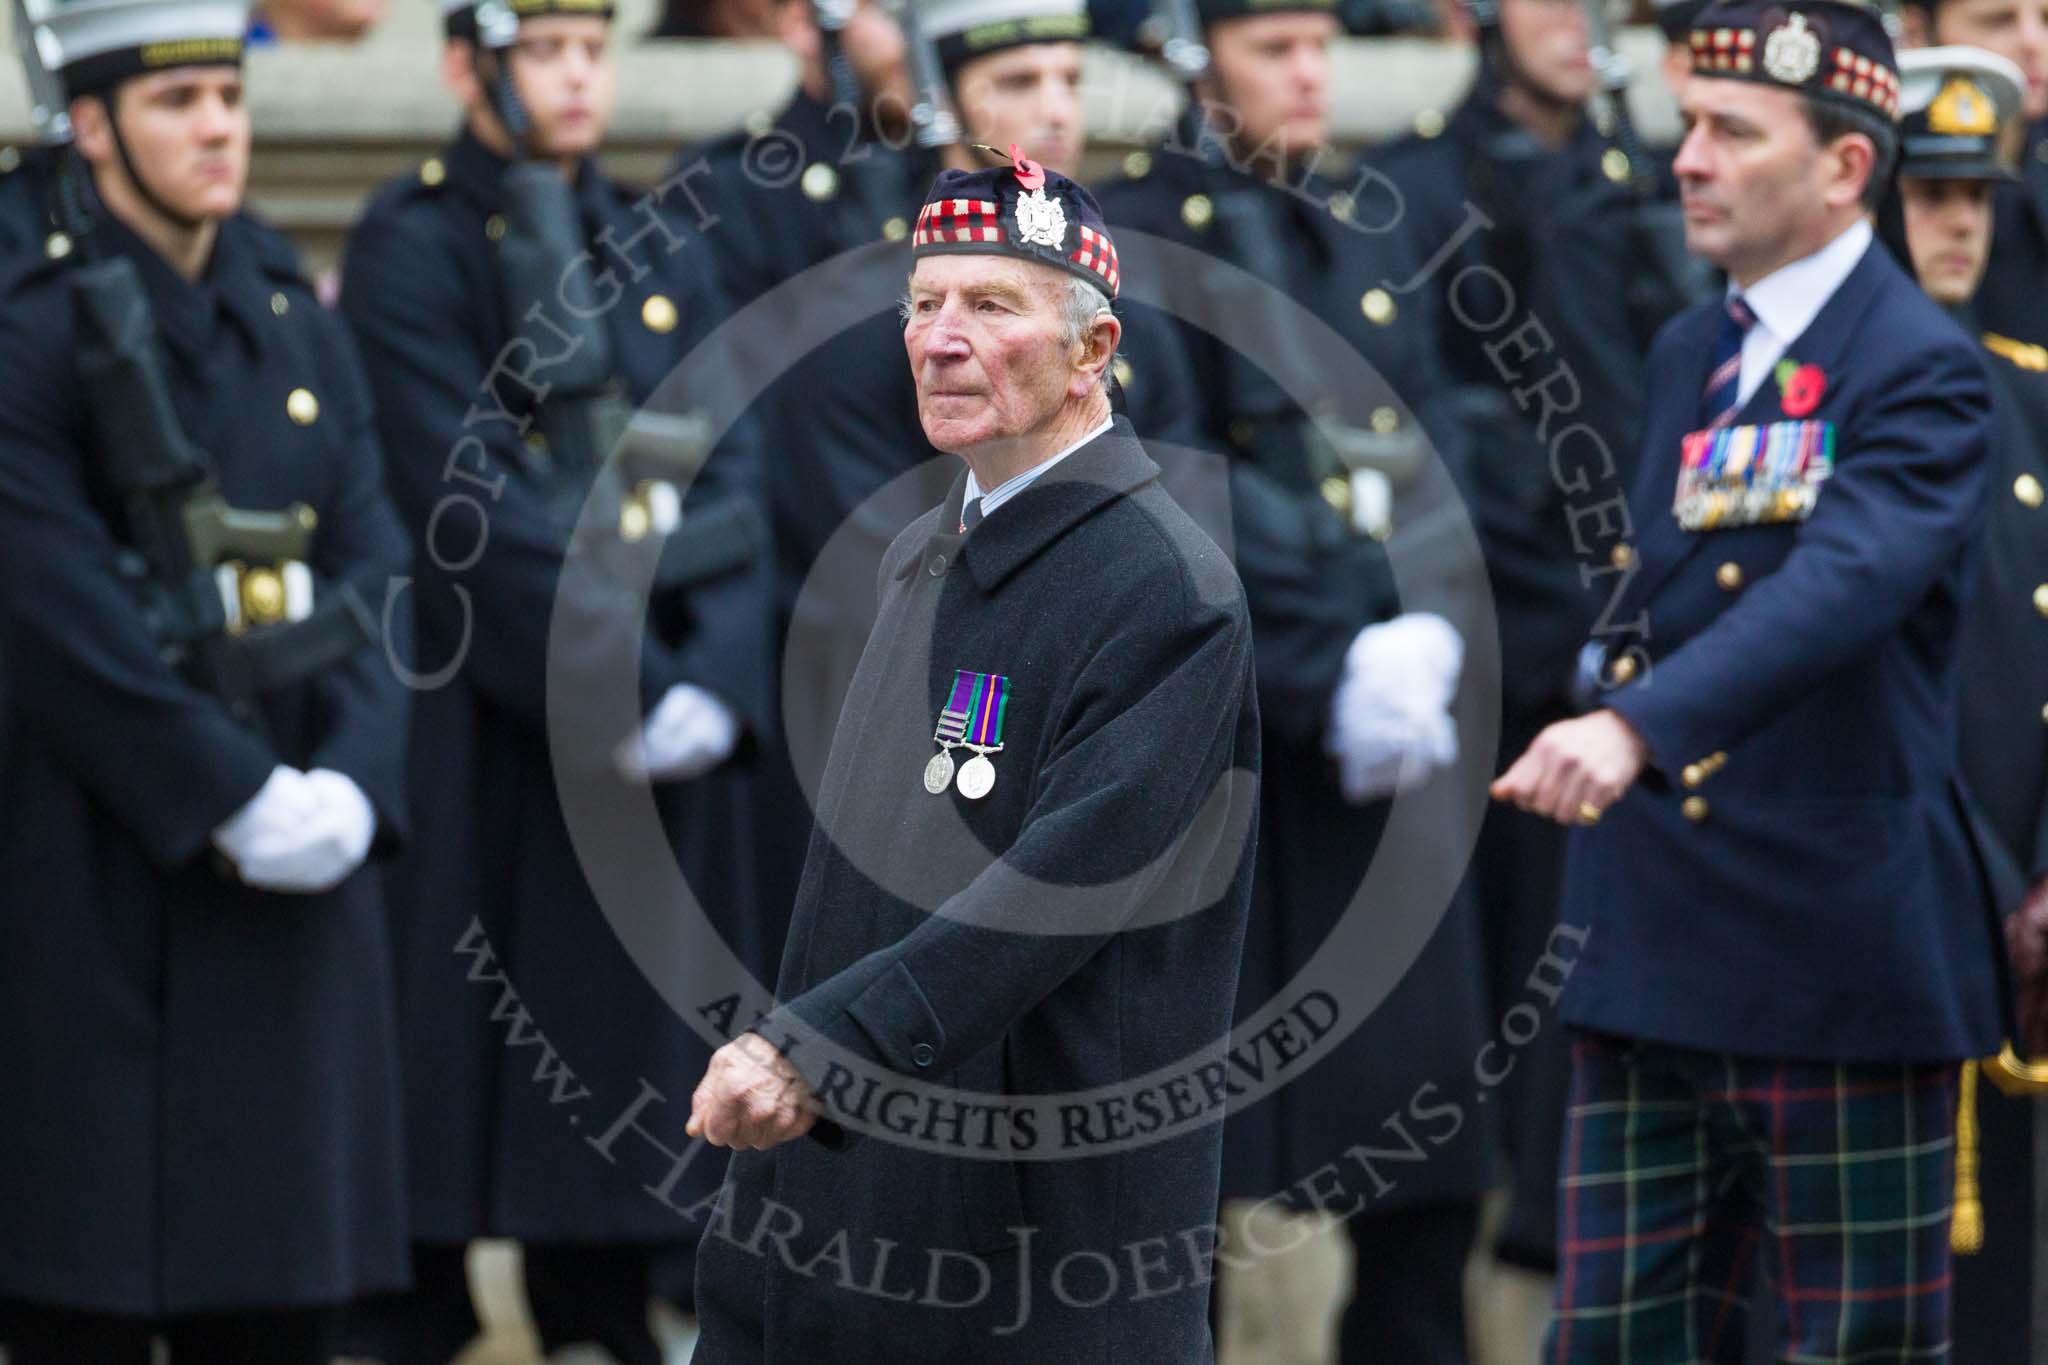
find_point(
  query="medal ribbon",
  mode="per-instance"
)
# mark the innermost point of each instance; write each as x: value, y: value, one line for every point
x: 960, y: 707
x: 993, y: 696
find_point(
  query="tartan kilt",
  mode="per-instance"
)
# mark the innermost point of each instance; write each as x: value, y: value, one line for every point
x: 1681, y: 1168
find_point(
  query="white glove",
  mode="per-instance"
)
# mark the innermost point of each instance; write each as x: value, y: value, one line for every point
x: 1390, y: 723
x: 303, y: 832
x: 690, y: 733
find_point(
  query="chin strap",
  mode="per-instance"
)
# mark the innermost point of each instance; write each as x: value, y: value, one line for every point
x: 182, y: 221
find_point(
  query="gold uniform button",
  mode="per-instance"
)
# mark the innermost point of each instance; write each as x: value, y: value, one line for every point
x: 1729, y: 576
x: 262, y: 597
x: 302, y: 407
x: 1693, y: 775
x: 2041, y: 599
x: 1342, y: 206
x: 1614, y: 165
x: 1429, y: 123
x: 432, y: 172
x: 9, y: 159
x: 895, y: 230
x: 658, y: 314
x: 820, y: 182
x: 1120, y: 369
x: 1624, y: 670
x: 1196, y: 211
x: 1378, y: 307
x: 1622, y: 555
x: 1137, y: 165
x: 279, y: 304
x: 1694, y: 808
x: 494, y: 227
x: 634, y: 522
x: 536, y: 443
x: 1385, y: 421
x: 1337, y: 493
x: 57, y: 246
x: 2027, y: 489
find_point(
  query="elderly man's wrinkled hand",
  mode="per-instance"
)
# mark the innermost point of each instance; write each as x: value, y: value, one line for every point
x: 751, y: 1098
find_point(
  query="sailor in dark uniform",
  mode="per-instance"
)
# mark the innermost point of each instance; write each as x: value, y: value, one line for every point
x: 515, y: 307
x: 204, y: 747
x: 1959, y: 106
x: 2016, y: 280
x: 1791, y: 947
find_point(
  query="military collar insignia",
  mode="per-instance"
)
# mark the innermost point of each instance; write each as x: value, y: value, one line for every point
x: 1792, y: 52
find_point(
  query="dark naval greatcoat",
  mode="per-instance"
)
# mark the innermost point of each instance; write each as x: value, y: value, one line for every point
x: 529, y: 1026
x: 203, y: 1102
x: 2002, y: 682
x: 1069, y: 939
x: 2016, y: 278
x: 1793, y: 875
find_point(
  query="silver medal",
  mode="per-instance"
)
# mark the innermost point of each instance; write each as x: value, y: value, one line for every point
x: 938, y: 774
x: 977, y: 776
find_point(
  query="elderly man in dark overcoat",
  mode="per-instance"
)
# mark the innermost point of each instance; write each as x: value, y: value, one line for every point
x: 978, y: 1119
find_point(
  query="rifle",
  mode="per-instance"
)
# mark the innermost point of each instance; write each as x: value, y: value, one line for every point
x: 585, y: 412
x: 1675, y: 279
x: 226, y: 590
x: 1356, y: 469
x: 879, y: 186
x: 932, y: 120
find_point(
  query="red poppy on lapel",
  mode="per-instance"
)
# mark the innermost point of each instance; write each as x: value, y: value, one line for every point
x: 1801, y: 391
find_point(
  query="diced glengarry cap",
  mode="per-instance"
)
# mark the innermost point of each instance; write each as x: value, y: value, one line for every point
x: 1020, y: 210
x: 1830, y: 49
x: 100, y: 43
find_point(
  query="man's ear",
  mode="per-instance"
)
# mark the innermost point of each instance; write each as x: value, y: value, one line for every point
x: 458, y: 71
x: 1855, y: 162
x: 92, y: 130
x: 1097, y: 346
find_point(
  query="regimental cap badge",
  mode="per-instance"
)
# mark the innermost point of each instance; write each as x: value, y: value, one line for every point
x: 1962, y: 110
x: 1040, y: 220
x: 1792, y: 52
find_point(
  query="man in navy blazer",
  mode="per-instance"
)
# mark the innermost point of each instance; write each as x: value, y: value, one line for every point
x: 1790, y: 949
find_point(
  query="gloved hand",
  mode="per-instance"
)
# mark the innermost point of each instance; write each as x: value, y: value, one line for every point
x: 689, y: 733
x: 302, y: 832
x: 1390, y: 724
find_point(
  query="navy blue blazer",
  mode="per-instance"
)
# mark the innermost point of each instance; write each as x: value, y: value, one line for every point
x: 1793, y: 877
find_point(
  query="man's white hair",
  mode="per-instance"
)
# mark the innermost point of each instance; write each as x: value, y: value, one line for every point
x: 1080, y: 304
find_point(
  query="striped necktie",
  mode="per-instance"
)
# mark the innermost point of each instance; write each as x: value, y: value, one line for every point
x: 1719, y: 399
x: 970, y: 515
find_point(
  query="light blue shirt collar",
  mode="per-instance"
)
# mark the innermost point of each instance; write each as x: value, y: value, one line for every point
x: 991, y: 501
